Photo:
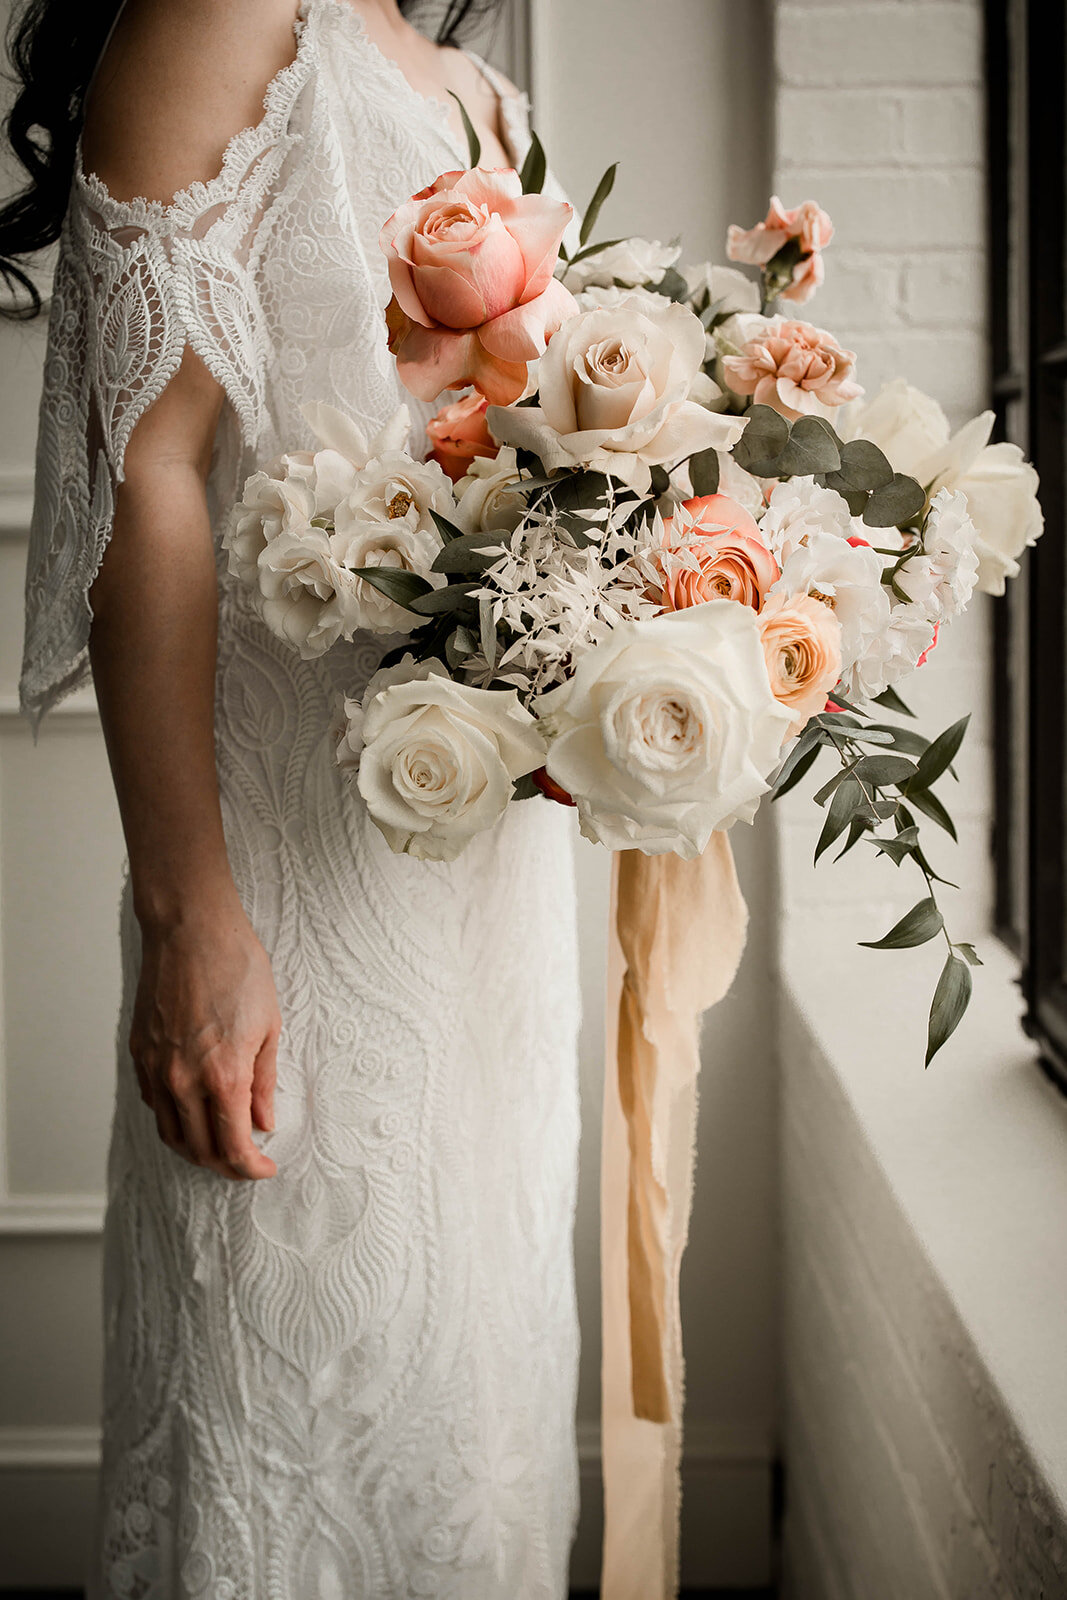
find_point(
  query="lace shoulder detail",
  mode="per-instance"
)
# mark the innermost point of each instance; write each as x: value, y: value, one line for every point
x: 137, y: 282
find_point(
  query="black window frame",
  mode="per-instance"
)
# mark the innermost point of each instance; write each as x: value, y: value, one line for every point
x: 1026, y: 61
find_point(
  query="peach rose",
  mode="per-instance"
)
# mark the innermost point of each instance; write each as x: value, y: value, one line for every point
x: 808, y: 224
x: 798, y: 369
x: 733, y: 563
x: 802, y: 648
x: 471, y: 260
x: 458, y: 433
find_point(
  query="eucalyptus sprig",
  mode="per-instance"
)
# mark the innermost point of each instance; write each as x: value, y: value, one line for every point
x: 875, y: 797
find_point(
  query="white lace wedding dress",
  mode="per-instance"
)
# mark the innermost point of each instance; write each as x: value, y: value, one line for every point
x: 354, y: 1381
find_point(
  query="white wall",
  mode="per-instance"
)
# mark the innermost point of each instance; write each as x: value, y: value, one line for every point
x: 906, y: 1476
x: 610, y: 77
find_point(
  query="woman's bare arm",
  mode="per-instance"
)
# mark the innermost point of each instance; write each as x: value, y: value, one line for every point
x: 174, y: 86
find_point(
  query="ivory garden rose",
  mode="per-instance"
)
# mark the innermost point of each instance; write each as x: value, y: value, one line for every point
x: 459, y: 434
x: 667, y: 729
x: 798, y: 369
x: 614, y: 394
x: 471, y: 261
x: 435, y: 760
x: 727, y: 557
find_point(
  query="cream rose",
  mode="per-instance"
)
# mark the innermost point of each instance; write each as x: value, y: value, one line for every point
x: 437, y: 760
x: 802, y: 648
x: 302, y: 591
x: 725, y: 287
x: 632, y: 263
x: 667, y: 730
x: 906, y: 424
x: 798, y: 369
x: 613, y: 392
x: 486, y: 499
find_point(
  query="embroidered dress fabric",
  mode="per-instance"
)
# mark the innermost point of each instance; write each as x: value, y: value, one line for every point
x: 356, y: 1379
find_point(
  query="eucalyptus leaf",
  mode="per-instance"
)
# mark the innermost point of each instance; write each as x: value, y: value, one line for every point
x: 592, y: 210
x: 704, y: 472
x: 453, y: 597
x: 891, y: 701
x: 524, y: 788
x: 931, y: 806
x: 765, y: 437
x: 863, y: 467
x: 847, y: 799
x: 466, y: 554
x: 882, y: 770
x: 673, y: 285
x: 795, y: 768
x: 812, y: 447
x: 906, y: 739
x: 447, y: 530
x: 534, y: 168
x: 474, y: 144
x: 951, y: 998
x: 856, y: 830
x: 895, y: 502
x: 939, y: 755
x: 922, y: 923
x: 394, y: 582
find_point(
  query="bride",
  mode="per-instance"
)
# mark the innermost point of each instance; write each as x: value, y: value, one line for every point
x: 340, y: 1321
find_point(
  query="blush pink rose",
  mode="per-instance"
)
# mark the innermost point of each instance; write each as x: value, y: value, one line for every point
x: 802, y: 649
x: 733, y: 561
x: 471, y: 260
x: 808, y: 224
x: 458, y: 433
x: 798, y: 369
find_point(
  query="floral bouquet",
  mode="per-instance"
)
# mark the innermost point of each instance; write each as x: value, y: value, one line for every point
x: 660, y: 556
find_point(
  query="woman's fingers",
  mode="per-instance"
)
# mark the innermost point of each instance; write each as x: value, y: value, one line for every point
x: 231, y: 1121
x: 200, y: 1146
x: 264, y: 1076
x: 167, y: 1120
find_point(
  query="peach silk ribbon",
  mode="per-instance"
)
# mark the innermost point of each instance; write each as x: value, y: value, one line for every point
x: 676, y: 936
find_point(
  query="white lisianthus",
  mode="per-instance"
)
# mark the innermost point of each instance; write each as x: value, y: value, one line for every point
x: 891, y: 653
x: 906, y: 425
x: 797, y: 508
x: 1000, y: 484
x: 726, y: 288
x: 435, y: 760
x: 486, y: 499
x: 849, y: 579
x: 631, y: 263
x: 613, y: 391
x: 395, y: 488
x: 943, y: 577
x: 667, y: 729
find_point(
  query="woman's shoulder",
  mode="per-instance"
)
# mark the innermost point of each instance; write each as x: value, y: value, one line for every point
x: 177, y: 80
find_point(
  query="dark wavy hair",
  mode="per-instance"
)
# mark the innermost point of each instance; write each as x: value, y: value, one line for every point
x: 53, y: 47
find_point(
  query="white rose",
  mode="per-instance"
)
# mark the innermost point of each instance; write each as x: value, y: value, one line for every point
x: 437, y: 759
x: 849, y: 578
x: 797, y: 508
x: 725, y: 287
x: 890, y: 654
x: 299, y: 584
x: 667, y: 730
x: 613, y: 387
x: 597, y: 298
x: 631, y: 262
x: 394, y: 488
x: 906, y: 425
x: 943, y: 577
x: 486, y: 499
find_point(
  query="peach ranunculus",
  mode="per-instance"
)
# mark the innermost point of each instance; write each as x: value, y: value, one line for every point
x: 459, y: 433
x: 471, y: 261
x: 798, y: 369
x: 723, y: 554
x: 808, y: 224
x: 802, y: 648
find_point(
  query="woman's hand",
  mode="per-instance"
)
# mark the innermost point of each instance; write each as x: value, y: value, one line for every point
x: 204, y: 1036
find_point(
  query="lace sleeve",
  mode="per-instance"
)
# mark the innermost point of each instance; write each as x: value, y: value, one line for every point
x: 136, y: 283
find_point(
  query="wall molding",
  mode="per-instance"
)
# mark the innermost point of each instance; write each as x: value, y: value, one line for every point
x: 50, y: 1215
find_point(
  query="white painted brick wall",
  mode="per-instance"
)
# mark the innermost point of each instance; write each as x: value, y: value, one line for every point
x: 880, y: 118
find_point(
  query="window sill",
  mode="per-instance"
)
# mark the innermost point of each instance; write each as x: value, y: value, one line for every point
x: 974, y: 1154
